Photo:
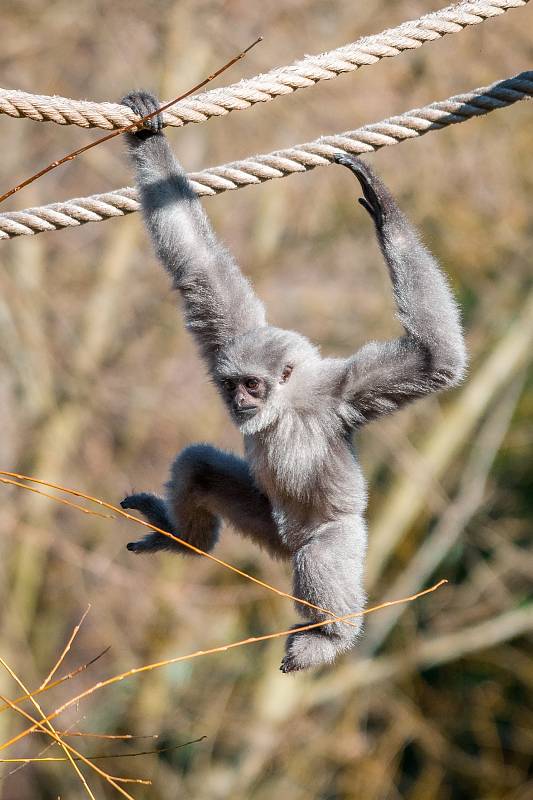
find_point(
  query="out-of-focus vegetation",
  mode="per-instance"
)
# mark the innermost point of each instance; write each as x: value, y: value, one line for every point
x: 100, y: 386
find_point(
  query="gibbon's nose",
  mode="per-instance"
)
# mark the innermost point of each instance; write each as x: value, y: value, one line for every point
x: 240, y: 399
x: 241, y: 404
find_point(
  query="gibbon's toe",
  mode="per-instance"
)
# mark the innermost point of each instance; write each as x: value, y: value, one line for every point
x: 290, y: 664
x: 127, y: 502
x: 139, y: 502
x: 136, y: 547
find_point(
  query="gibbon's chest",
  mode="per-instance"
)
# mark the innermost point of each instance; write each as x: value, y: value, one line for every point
x: 306, y: 460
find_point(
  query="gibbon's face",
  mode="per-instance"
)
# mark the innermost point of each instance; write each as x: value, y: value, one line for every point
x: 246, y: 395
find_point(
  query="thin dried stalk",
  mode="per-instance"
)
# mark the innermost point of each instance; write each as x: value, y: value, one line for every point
x: 134, y: 125
x: 51, y: 731
x: 112, y: 779
x: 190, y: 546
x: 65, y: 651
x: 57, y: 499
x: 57, y: 682
x: 221, y: 649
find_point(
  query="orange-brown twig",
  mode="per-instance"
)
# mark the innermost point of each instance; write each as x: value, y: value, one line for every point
x: 57, y: 499
x: 137, y: 124
x: 39, y: 754
x: 57, y: 682
x: 220, y: 649
x: 49, y: 729
x: 65, y: 650
x: 183, y: 542
x: 112, y: 779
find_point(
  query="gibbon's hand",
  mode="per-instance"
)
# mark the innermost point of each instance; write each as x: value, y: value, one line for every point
x: 371, y: 202
x: 143, y: 103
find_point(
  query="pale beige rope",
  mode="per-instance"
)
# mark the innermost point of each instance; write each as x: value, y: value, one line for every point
x: 281, y: 162
x: 263, y: 88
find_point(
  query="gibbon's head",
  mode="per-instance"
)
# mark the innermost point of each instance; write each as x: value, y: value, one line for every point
x: 256, y: 374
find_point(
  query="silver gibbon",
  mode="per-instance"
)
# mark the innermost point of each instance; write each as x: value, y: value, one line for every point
x: 299, y: 493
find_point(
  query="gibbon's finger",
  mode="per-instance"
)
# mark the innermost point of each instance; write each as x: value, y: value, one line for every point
x: 151, y: 103
x: 143, y: 103
x: 352, y: 162
x: 374, y: 211
x: 137, y: 547
x: 362, y: 171
x: 366, y: 205
x: 366, y: 178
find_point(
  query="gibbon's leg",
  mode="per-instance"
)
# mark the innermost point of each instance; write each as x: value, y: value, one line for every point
x: 206, y: 485
x: 328, y: 573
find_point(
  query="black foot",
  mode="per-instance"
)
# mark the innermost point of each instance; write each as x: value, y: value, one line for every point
x: 154, y: 509
x: 150, y: 505
x: 142, y: 546
x: 371, y: 202
x: 143, y: 103
x: 152, y: 543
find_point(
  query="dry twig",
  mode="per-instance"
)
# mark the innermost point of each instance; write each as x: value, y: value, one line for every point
x: 151, y: 527
x: 50, y: 730
x: 198, y: 653
x: 134, y: 125
x: 59, y: 681
x: 65, y: 650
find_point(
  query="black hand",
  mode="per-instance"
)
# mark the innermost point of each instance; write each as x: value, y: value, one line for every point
x: 143, y: 103
x: 367, y: 179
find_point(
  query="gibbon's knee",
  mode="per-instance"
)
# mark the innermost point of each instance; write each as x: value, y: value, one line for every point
x: 328, y: 574
x: 186, y: 489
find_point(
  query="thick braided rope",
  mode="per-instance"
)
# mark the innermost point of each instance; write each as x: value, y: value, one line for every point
x: 281, y: 162
x: 263, y: 88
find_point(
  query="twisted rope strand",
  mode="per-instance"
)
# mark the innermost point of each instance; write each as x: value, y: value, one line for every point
x: 263, y: 88
x: 280, y: 163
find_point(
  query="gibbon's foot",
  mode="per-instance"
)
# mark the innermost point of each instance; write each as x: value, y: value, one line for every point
x: 143, y: 103
x: 145, y: 545
x: 148, y: 504
x: 155, y: 511
x: 312, y: 648
x: 367, y: 179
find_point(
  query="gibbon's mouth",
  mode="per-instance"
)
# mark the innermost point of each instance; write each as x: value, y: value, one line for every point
x: 245, y: 412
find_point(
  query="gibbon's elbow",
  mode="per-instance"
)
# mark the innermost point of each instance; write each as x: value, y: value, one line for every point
x: 451, y: 370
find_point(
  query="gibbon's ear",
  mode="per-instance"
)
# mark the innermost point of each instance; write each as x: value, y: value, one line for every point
x: 286, y: 374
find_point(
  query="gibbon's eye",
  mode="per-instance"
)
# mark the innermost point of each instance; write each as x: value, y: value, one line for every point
x: 286, y: 374
x: 229, y: 385
x: 252, y: 384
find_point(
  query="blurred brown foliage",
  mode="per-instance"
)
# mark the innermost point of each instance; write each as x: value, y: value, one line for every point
x: 100, y: 386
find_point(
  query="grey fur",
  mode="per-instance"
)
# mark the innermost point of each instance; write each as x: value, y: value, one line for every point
x: 300, y: 493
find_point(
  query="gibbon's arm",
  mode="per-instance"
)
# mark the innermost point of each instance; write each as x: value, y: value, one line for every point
x: 219, y: 301
x: 383, y: 376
